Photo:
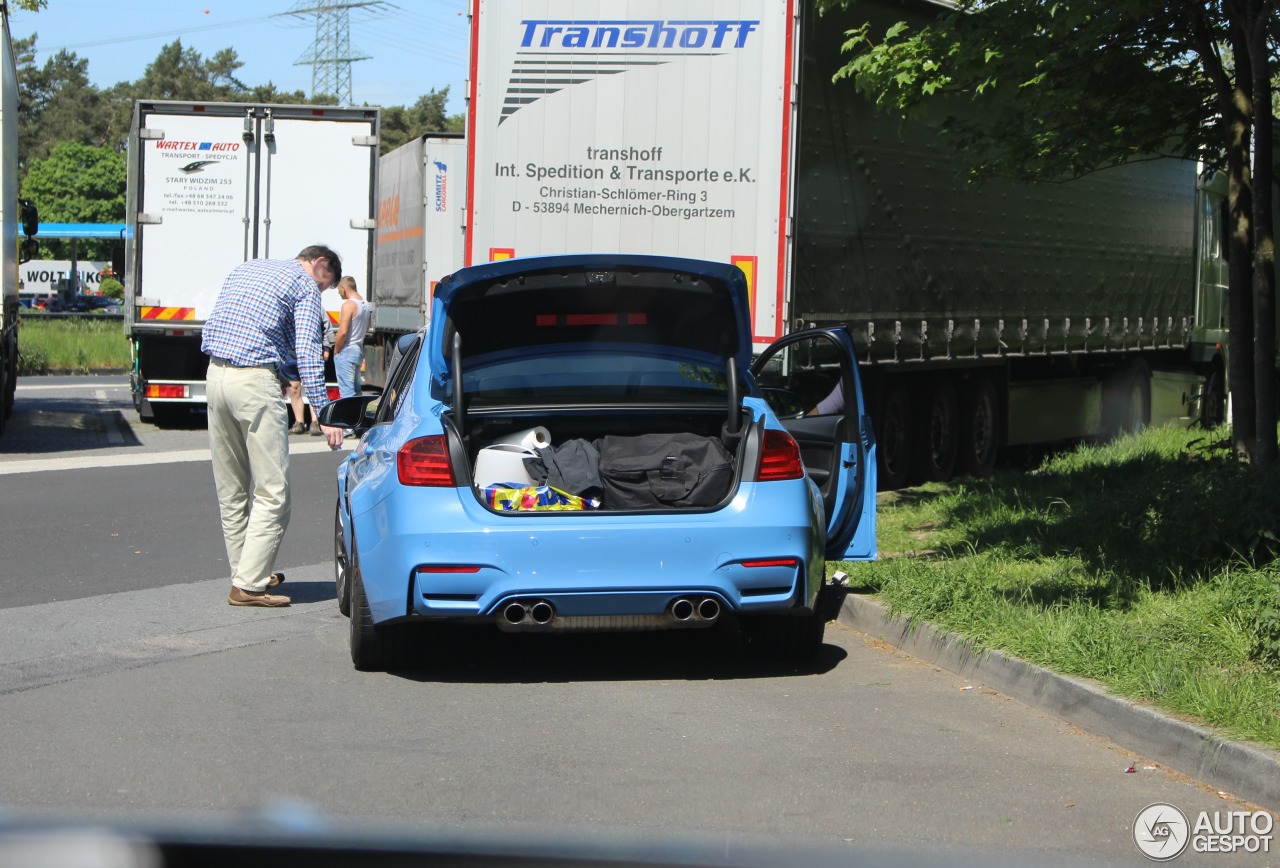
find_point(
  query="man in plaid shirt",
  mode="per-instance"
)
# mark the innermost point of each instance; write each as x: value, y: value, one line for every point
x: 265, y: 330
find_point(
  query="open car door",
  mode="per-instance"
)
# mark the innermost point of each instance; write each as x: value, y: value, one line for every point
x: 810, y: 380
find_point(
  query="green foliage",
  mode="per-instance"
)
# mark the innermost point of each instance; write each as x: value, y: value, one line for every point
x: 80, y: 345
x: 1063, y: 88
x: 33, y: 359
x: 57, y: 104
x: 111, y: 287
x: 427, y: 115
x: 1150, y: 564
x: 77, y: 183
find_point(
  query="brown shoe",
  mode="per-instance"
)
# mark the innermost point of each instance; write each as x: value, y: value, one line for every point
x: 241, y: 597
x: 299, y: 428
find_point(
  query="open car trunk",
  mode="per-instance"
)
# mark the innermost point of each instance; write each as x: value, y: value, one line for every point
x: 623, y: 376
x: 608, y: 460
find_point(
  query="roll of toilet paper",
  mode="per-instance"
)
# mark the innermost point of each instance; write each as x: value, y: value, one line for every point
x: 532, y: 438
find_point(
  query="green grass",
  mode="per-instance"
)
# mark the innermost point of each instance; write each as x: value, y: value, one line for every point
x: 1148, y: 564
x: 70, y: 344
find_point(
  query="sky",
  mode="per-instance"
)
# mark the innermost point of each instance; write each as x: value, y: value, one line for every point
x: 413, y: 45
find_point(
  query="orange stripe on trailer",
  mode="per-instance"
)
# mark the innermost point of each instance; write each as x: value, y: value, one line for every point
x: 168, y: 313
x: 749, y: 265
x: 334, y: 316
x: 498, y: 254
x: 401, y: 234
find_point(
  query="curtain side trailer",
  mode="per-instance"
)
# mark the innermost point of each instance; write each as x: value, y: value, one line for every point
x: 984, y: 316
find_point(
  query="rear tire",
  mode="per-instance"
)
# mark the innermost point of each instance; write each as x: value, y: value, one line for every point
x: 785, y: 638
x: 10, y: 388
x: 1213, y: 401
x: 894, y: 440
x: 937, y: 435
x: 1126, y: 400
x: 374, y: 648
x: 341, y: 572
x: 979, y: 428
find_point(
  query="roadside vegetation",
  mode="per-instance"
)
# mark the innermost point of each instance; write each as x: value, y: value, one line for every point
x: 1148, y: 564
x: 74, y: 345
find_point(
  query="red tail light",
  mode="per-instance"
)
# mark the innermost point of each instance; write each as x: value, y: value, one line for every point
x: 780, y: 458
x: 332, y: 392
x: 166, y: 391
x: 425, y: 461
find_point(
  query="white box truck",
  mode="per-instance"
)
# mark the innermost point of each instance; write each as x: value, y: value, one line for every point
x: 211, y: 185
x: 17, y: 217
x: 1004, y: 314
x: 419, y: 240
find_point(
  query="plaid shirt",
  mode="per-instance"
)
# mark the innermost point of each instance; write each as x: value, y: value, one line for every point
x: 268, y: 313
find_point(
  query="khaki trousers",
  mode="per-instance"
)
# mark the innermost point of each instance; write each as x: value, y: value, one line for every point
x: 249, y: 439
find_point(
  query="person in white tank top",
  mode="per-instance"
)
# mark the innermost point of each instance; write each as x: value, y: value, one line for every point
x: 348, y: 342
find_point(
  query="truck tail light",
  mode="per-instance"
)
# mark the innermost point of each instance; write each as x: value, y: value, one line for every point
x: 166, y: 391
x: 780, y: 458
x: 332, y: 393
x: 425, y: 461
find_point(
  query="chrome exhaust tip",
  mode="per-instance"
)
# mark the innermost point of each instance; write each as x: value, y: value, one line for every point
x: 542, y: 612
x: 514, y: 613
x: 682, y: 609
x: 708, y: 609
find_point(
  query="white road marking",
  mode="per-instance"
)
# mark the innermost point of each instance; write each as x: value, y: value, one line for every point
x: 81, y: 462
x: 39, y: 388
x: 114, y: 437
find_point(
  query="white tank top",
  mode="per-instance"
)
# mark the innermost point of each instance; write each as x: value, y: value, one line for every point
x: 359, y: 323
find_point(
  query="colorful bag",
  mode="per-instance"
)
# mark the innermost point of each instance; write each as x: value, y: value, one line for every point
x: 513, y: 497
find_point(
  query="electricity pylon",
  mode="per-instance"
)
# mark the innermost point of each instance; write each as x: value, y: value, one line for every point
x: 331, y: 54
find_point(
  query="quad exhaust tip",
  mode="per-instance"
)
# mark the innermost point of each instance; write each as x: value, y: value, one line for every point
x: 533, y: 614
x: 704, y: 609
x: 525, y: 612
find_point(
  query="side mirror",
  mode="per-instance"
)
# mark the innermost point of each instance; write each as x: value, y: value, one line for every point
x: 30, y: 248
x: 349, y: 413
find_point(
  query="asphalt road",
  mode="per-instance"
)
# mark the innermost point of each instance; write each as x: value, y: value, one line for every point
x: 128, y: 685
x: 97, y: 502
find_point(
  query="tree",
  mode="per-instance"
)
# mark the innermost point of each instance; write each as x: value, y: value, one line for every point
x: 57, y: 103
x: 77, y: 183
x: 427, y: 115
x: 1075, y: 86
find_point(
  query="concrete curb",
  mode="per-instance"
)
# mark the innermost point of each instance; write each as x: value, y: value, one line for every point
x: 1246, y: 771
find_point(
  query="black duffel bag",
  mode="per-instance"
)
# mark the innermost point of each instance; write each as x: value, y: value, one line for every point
x: 663, y: 471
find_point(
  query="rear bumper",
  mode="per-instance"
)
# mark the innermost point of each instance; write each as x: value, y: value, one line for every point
x: 440, y: 554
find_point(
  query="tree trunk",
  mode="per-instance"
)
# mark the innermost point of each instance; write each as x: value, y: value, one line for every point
x: 1264, y: 253
x: 1238, y: 121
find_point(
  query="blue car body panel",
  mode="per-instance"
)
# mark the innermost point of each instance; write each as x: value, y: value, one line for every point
x: 432, y: 553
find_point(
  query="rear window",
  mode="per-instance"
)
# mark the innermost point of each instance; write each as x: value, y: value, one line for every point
x: 591, y: 377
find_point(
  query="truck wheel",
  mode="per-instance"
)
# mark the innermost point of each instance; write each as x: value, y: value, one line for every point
x: 341, y: 579
x: 979, y: 428
x: 1213, y: 400
x: 374, y: 647
x: 10, y: 387
x: 894, y: 440
x: 937, y: 435
x: 1126, y: 399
